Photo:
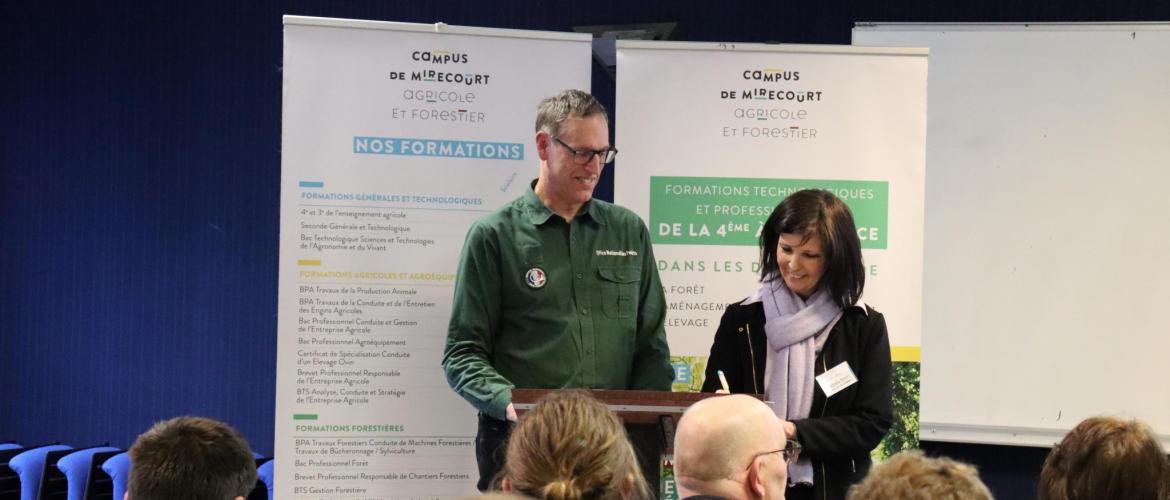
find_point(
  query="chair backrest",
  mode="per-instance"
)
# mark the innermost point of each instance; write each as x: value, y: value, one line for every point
x: 266, y: 473
x: 118, y: 468
x: 76, y: 467
x: 9, y: 480
x: 54, y: 483
x: 30, y: 465
x: 260, y: 491
x: 99, y: 485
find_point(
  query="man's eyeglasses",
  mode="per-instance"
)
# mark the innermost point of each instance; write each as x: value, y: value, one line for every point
x: 790, y: 450
x: 583, y: 156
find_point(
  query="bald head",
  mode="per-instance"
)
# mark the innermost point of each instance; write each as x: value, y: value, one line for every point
x: 717, y: 438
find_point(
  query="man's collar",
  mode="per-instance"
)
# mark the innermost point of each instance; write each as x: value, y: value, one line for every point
x: 590, y: 209
x: 539, y: 213
x: 535, y: 209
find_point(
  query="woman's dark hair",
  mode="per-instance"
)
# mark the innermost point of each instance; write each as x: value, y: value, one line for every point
x: 816, y: 211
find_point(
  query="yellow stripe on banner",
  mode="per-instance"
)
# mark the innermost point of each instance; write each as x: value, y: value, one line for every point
x: 906, y: 354
x: 308, y: 262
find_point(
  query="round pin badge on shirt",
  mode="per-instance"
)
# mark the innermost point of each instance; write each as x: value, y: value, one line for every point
x: 536, y: 278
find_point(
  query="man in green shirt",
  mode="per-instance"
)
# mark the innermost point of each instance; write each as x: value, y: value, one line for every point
x: 555, y: 289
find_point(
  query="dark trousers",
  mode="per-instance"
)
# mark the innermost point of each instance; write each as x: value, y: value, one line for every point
x: 491, y: 442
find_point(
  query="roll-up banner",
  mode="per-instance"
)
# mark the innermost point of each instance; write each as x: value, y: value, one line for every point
x: 714, y: 135
x: 395, y: 137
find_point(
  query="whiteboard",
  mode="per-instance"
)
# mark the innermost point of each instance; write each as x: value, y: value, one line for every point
x: 1046, y: 282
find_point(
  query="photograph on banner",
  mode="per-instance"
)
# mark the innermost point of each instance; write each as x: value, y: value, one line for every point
x: 395, y: 138
x: 714, y: 136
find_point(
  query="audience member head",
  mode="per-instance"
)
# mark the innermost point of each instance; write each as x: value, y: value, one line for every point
x: 732, y: 447
x: 570, y: 446
x: 189, y: 458
x: 815, y: 218
x: 497, y: 495
x: 1105, y: 458
x: 912, y: 476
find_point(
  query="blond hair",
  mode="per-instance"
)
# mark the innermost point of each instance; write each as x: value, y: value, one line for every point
x: 569, y: 447
x: 911, y: 475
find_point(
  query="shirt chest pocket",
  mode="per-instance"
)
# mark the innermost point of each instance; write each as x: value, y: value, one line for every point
x: 619, y: 290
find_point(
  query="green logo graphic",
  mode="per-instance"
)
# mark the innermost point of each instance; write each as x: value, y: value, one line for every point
x: 688, y: 373
x: 731, y: 211
x: 667, y: 486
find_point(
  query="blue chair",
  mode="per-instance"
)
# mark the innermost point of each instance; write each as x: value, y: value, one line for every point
x: 9, y: 481
x: 100, y: 485
x: 76, y: 467
x: 267, y: 473
x: 118, y: 468
x: 30, y: 465
x: 54, y: 484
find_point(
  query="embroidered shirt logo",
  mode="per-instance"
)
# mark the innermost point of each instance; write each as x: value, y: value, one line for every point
x: 617, y: 253
x: 536, y: 278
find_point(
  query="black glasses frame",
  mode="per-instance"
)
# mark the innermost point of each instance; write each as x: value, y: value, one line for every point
x: 791, y: 450
x: 584, y: 156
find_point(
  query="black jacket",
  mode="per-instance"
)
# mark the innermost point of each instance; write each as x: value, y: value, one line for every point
x: 840, y: 431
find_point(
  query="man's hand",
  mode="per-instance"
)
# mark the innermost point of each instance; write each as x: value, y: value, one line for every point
x: 510, y: 413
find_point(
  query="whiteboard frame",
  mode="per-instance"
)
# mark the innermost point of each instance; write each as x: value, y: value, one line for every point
x: 993, y: 434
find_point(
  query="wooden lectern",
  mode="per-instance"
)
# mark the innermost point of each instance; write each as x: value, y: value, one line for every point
x: 649, y: 417
x: 633, y: 407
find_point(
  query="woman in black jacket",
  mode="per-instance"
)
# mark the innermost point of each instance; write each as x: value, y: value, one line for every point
x: 805, y: 341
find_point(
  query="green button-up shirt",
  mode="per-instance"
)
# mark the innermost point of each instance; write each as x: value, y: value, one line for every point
x: 541, y: 303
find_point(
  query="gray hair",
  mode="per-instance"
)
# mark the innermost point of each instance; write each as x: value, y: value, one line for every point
x: 555, y: 109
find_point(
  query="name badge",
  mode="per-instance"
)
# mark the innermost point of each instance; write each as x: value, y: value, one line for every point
x: 833, y: 381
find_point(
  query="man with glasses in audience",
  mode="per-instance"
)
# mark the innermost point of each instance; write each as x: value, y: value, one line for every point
x: 555, y: 289
x: 731, y: 447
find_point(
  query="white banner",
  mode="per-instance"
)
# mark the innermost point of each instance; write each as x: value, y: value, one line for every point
x: 713, y: 136
x: 395, y: 138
